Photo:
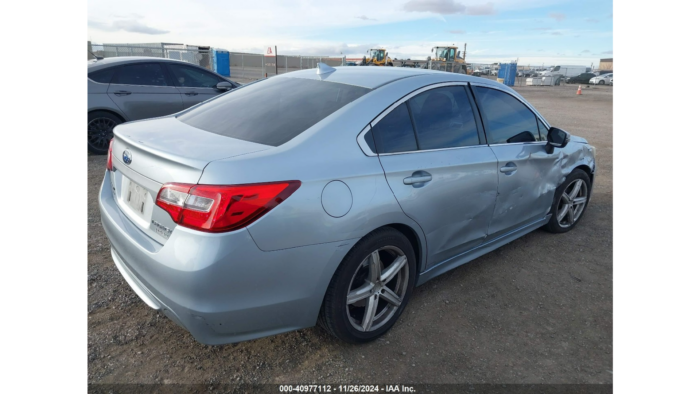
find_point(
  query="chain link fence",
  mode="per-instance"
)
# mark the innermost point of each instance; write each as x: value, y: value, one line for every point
x: 247, y: 67
x: 197, y: 55
x: 251, y: 66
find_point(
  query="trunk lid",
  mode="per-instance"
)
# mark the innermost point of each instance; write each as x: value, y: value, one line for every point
x: 147, y: 154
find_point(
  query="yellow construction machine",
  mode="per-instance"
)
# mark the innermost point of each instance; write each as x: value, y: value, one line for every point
x: 451, y: 54
x: 377, y: 57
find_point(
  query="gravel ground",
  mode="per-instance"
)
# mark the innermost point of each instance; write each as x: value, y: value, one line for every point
x: 538, y: 310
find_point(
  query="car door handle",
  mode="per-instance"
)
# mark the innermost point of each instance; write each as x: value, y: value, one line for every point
x: 422, y: 178
x: 508, y: 168
x: 191, y: 94
x: 122, y: 93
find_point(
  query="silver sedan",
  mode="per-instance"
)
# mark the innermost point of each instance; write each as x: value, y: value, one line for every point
x: 328, y: 195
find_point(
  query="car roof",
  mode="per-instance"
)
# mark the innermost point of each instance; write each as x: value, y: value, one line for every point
x: 373, y: 77
x: 94, y: 65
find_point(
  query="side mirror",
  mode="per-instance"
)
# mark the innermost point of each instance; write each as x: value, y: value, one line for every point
x: 557, y: 138
x: 223, y: 85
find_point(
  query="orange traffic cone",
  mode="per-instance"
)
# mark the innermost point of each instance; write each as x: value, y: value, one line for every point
x: 579, y: 89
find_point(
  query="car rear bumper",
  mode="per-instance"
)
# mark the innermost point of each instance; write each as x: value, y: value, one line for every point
x: 221, y: 287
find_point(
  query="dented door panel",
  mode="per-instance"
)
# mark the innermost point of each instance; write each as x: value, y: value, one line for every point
x: 526, y: 194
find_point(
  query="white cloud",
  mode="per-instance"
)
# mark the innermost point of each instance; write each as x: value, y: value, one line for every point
x: 481, y: 9
x: 557, y: 16
x: 127, y: 25
x: 442, y: 7
x: 449, y: 7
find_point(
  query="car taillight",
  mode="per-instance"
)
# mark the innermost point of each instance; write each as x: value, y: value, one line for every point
x: 109, y: 155
x: 219, y: 208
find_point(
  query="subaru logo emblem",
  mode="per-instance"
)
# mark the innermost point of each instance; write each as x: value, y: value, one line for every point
x: 126, y: 156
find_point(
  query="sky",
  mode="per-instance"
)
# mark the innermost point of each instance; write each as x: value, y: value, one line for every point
x: 535, y: 32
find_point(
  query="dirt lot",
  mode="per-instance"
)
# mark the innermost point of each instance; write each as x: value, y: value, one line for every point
x: 538, y: 310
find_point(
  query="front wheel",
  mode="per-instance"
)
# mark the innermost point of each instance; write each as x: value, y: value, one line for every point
x: 570, y: 201
x: 371, y: 287
x: 100, y: 131
x: 601, y: 83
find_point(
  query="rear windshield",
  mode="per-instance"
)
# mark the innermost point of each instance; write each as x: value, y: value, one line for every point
x: 273, y: 111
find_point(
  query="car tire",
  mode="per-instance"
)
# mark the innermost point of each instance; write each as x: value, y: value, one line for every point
x: 567, y: 211
x: 100, y: 130
x: 352, y: 281
x: 601, y: 83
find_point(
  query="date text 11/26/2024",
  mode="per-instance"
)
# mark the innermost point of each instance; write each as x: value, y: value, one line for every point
x: 346, y: 388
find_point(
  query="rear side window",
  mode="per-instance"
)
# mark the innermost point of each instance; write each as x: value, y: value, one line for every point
x: 102, y: 76
x: 507, y: 120
x: 394, y: 133
x: 143, y: 74
x: 444, y: 118
x: 273, y: 111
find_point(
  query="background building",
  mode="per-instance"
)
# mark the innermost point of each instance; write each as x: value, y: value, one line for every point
x: 606, y: 65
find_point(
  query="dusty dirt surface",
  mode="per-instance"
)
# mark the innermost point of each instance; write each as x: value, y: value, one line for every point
x: 538, y: 310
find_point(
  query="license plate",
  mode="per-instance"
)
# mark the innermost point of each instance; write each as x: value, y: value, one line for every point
x: 137, y: 197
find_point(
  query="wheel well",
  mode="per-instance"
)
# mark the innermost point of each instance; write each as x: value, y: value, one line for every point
x: 587, y: 170
x: 413, y: 238
x: 108, y: 111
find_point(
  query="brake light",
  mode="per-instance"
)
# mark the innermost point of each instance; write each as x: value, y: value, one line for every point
x: 109, y: 155
x: 219, y: 208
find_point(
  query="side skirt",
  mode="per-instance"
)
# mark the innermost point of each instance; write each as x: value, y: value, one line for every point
x: 465, y: 257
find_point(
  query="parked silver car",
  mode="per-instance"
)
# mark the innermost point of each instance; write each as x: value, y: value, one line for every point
x: 328, y: 195
x: 123, y: 89
x: 602, y: 79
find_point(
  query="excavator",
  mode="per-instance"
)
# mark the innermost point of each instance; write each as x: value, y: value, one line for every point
x: 451, y: 54
x: 377, y: 57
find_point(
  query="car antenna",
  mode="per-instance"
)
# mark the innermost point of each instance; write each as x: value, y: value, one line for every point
x: 96, y: 57
x: 323, y: 68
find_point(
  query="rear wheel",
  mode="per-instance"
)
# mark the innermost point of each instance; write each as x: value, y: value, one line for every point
x: 371, y: 287
x: 100, y: 131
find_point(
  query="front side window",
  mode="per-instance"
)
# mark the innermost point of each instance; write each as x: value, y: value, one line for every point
x: 444, y: 118
x: 192, y: 78
x: 507, y: 120
x: 273, y: 111
x: 394, y: 133
x: 143, y: 74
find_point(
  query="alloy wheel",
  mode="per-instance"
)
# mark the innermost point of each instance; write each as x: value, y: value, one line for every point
x: 100, y: 132
x: 377, y: 288
x: 572, y: 203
